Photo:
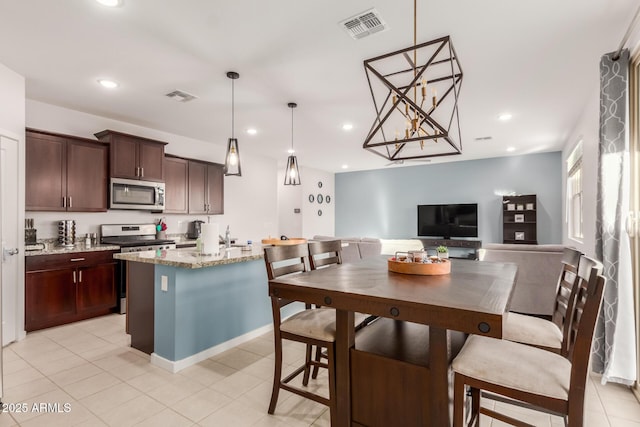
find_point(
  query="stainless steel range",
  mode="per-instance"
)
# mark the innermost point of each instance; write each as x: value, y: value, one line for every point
x: 131, y: 238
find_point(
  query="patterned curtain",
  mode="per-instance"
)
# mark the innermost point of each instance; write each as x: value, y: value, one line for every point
x: 614, y: 354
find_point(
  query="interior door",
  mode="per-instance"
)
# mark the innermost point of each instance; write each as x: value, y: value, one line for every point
x: 9, y: 235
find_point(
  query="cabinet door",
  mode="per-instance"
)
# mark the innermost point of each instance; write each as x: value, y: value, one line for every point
x: 86, y: 177
x: 49, y: 298
x: 176, y: 174
x: 197, y: 187
x: 46, y: 182
x: 150, y: 159
x: 215, y: 188
x: 124, y: 157
x: 96, y: 288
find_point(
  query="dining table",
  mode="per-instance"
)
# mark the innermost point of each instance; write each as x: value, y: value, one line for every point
x: 473, y: 299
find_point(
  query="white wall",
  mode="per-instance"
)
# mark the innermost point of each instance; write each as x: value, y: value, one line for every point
x: 250, y: 201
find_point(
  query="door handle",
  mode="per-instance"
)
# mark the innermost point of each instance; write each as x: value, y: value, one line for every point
x: 9, y: 252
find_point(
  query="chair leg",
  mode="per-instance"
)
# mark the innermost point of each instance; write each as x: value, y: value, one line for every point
x: 318, y: 358
x: 458, y: 401
x: 307, y: 365
x: 475, y: 405
x: 331, y: 361
x: 277, y: 375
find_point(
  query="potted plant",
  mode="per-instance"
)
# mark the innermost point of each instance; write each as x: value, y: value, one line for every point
x: 443, y: 251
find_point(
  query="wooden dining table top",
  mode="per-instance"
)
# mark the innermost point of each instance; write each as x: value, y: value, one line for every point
x: 472, y: 298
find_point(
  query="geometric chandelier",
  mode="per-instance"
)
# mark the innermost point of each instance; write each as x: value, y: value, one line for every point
x: 415, y: 93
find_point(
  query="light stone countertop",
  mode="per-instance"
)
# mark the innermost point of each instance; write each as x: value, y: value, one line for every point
x: 52, y: 249
x: 189, y: 258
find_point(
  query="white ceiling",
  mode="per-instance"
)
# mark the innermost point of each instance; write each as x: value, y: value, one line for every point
x: 535, y: 59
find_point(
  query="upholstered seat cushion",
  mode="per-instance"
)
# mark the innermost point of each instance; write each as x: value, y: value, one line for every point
x: 514, y: 365
x: 532, y: 330
x: 318, y: 323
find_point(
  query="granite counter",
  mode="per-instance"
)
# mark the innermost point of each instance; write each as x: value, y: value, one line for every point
x: 190, y: 258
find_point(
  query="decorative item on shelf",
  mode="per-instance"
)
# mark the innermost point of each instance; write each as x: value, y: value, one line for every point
x: 327, y: 199
x: 291, y: 173
x: 311, y: 198
x: 232, y: 160
x: 409, y: 125
x: 511, y: 206
x: 319, y: 198
x: 530, y: 206
x: 518, y: 218
x: 319, y: 212
x: 161, y: 229
x: 520, y: 207
x: 443, y: 251
x: 519, y: 235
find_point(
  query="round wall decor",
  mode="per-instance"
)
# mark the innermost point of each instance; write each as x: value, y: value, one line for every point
x: 319, y: 198
x: 311, y: 198
x: 319, y: 184
x: 327, y: 199
x: 319, y: 212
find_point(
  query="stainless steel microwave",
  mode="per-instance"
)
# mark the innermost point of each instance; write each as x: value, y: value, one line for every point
x: 134, y: 194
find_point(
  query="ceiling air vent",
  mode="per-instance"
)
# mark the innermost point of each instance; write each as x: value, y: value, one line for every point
x: 364, y: 24
x: 181, y: 96
x: 483, y: 138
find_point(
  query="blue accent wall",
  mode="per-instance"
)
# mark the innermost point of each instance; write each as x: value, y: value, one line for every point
x: 383, y: 203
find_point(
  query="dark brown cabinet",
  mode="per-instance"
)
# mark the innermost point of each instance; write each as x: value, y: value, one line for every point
x: 134, y: 157
x: 176, y: 181
x: 65, y: 173
x: 519, y: 219
x: 65, y: 288
x: 206, y: 188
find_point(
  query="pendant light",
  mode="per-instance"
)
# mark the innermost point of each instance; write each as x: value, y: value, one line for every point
x: 232, y: 160
x: 291, y: 173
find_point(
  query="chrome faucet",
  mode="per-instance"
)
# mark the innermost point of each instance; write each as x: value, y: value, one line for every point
x: 227, y: 238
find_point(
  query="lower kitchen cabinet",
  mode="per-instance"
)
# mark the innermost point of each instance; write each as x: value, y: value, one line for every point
x: 65, y: 288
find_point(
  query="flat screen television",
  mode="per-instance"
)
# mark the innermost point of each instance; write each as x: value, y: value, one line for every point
x: 447, y: 221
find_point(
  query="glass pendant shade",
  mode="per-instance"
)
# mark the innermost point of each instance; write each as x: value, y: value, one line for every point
x: 232, y: 161
x: 292, y: 174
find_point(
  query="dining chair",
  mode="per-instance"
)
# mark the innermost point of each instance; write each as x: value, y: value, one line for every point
x: 549, y: 334
x: 528, y: 376
x: 312, y: 327
x: 322, y: 254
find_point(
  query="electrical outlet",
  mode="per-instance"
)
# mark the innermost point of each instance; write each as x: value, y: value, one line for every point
x: 164, y: 283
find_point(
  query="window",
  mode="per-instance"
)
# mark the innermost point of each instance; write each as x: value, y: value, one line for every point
x: 574, y: 193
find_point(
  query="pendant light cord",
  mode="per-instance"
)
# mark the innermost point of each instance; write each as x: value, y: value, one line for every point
x: 292, y: 130
x: 233, y: 104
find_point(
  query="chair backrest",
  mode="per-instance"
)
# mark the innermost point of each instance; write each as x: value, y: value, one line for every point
x: 566, y: 294
x: 583, y: 321
x: 324, y: 253
x: 286, y: 259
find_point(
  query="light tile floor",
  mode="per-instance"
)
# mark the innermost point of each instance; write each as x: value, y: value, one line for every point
x: 85, y: 374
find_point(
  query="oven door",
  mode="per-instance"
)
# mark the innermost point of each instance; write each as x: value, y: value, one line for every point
x: 132, y: 194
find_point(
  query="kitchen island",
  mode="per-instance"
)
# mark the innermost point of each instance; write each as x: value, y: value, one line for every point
x: 184, y: 307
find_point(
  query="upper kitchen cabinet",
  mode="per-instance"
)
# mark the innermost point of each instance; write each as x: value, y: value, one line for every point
x: 206, y: 188
x: 134, y: 157
x: 65, y: 173
x: 176, y: 178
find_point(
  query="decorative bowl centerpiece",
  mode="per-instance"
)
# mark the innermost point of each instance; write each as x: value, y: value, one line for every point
x: 417, y: 262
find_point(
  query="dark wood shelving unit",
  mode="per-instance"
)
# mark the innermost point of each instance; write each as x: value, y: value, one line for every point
x: 519, y: 219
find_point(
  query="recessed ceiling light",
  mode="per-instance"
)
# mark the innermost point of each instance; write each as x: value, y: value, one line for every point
x: 110, y: 3
x: 505, y: 116
x: 347, y: 126
x: 345, y: 166
x: 109, y: 84
x: 510, y: 149
x: 252, y: 131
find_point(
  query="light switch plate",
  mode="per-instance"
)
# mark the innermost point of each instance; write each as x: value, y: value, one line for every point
x: 164, y: 283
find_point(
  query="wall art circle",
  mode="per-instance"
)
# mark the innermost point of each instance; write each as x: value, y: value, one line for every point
x: 319, y: 184
x: 311, y: 198
x: 319, y: 198
x: 319, y: 212
x: 327, y: 199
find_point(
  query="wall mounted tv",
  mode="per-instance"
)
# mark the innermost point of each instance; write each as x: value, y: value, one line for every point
x: 447, y: 221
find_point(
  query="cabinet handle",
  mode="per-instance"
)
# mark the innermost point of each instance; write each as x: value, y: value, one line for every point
x: 76, y: 259
x: 70, y: 202
x: 137, y: 171
x: 80, y: 273
x: 64, y: 202
x: 141, y: 172
x: 74, y: 276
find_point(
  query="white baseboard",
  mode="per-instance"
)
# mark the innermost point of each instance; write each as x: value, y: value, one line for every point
x: 178, y: 365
